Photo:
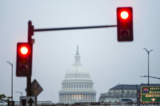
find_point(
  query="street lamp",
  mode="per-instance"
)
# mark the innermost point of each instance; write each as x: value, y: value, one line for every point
x: 11, y: 79
x: 148, y: 62
x: 151, y: 77
x: 19, y: 92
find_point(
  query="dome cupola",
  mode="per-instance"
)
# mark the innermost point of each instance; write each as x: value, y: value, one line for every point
x: 77, y: 70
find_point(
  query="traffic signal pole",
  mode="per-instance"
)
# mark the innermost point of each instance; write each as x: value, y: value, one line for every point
x: 72, y: 28
x: 30, y: 42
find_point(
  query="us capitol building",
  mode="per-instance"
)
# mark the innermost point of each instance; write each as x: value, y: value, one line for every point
x: 77, y: 85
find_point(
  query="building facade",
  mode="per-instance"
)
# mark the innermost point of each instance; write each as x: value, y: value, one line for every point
x: 122, y: 91
x: 77, y: 85
x: 118, y: 92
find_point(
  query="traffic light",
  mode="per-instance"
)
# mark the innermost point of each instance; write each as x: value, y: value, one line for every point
x: 124, y: 24
x: 23, y: 59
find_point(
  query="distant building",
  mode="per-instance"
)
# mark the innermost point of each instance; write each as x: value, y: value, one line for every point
x: 122, y: 91
x: 77, y: 85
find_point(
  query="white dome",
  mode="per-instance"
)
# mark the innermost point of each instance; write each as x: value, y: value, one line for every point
x: 77, y: 70
x: 77, y: 85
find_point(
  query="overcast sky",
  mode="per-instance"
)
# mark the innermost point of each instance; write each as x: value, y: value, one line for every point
x: 108, y: 61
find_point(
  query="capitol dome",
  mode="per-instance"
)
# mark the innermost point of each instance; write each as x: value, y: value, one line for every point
x: 77, y: 85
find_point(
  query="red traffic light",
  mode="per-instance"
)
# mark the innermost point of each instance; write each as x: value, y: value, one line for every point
x: 23, y: 59
x: 24, y: 50
x: 124, y: 24
x: 124, y: 14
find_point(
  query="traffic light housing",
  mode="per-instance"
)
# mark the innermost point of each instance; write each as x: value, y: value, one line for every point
x: 124, y: 24
x: 23, y: 66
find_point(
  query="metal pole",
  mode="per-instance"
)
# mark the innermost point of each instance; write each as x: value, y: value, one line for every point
x: 137, y: 94
x: 122, y: 90
x: 12, y: 82
x: 154, y: 77
x: 72, y: 28
x: 30, y: 68
x: 28, y: 85
x: 138, y: 103
x: 148, y: 69
x: 148, y: 62
x: 11, y: 79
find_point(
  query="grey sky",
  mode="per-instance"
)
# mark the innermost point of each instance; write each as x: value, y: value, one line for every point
x: 108, y: 61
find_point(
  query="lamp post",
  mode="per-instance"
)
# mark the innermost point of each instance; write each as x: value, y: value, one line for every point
x: 19, y: 92
x: 151, y: 77
x: 11, y: 79
x: 148, y: 62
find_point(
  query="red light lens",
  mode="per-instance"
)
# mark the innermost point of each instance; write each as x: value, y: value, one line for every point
x: 24, y: 50
x: 124, y: 15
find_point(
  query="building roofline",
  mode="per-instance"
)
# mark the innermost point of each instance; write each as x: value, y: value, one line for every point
x: 131, y: 86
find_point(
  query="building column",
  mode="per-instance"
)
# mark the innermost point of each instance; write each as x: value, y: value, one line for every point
x: 88, y: 98
x: 73, y: 97
x: 69, y: 97
x: 59, y: 97
x: 93, y: 97
x: 82, y: 97
x: 62, y: 98
x: 85, y: 97
x: 76, y: 97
